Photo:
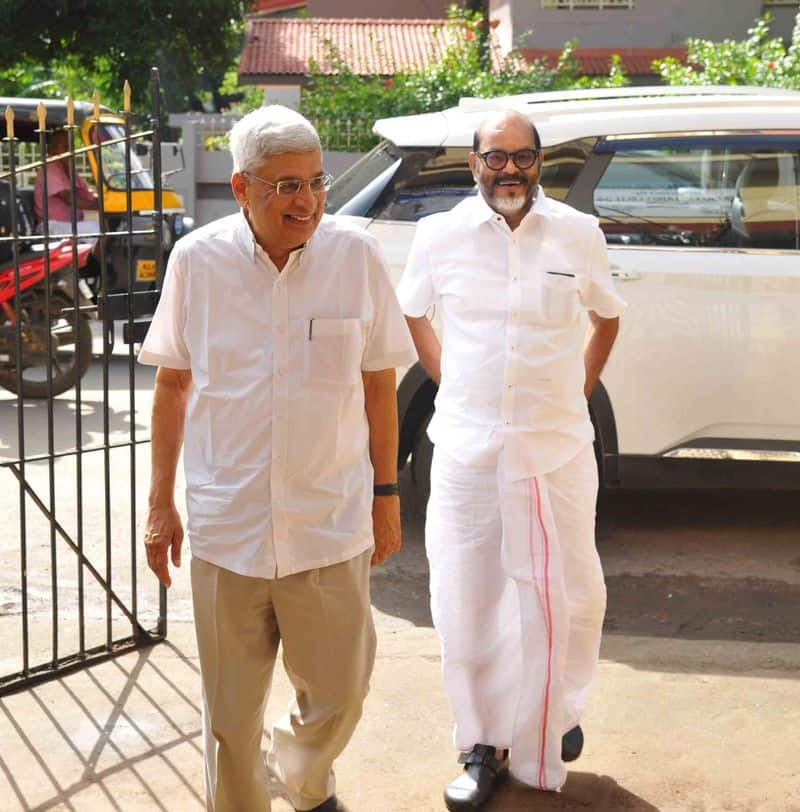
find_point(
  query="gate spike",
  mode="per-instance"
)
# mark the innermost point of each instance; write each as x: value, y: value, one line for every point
x: 9, y: 123
x: 126, y: 96
x: 41, y: 112
x: 96, y: 103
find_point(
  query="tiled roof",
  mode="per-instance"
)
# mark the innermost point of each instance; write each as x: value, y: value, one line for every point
x: 284, y: 46
x: 269, y: 6
x: 370, y: 47
x: 596, y: 61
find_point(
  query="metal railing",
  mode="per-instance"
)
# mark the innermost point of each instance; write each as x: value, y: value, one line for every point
x: 26, y: 154
x: 346, y: 134
x: 337, y: 134
x: 47, y: 312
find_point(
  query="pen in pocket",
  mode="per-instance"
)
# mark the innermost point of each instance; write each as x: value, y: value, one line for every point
x: 561, y: 273
x: 310, y: 328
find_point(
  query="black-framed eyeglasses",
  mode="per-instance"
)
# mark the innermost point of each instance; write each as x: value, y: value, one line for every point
x: 496, y: 159
x: 293, y: 186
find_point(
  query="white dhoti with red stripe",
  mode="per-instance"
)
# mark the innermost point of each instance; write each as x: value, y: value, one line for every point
x: 518, y: 599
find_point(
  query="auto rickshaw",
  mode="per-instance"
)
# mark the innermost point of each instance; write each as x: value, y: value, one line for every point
x: 107, y: 129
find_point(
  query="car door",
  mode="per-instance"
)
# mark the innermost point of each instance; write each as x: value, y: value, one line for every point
x: 703, y: 240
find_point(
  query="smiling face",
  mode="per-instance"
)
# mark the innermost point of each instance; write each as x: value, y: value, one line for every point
x: 281, y: 223
x: 509, y: 191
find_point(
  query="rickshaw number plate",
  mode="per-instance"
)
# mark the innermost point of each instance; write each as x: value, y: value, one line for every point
x: 146, y: 270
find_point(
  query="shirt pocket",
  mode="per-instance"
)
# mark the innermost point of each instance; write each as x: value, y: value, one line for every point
x: 333, y: 351
x: 558, y: 300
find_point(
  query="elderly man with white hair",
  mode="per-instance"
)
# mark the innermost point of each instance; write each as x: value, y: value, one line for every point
x: 276, y: 339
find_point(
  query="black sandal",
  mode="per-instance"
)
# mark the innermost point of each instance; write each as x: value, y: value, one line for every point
x: 483, y: 771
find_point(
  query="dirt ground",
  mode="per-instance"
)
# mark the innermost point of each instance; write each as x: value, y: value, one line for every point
x: 697, y: 692
x: 696, y: 706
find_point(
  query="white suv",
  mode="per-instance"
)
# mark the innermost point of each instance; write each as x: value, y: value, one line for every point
x: 698, y: 193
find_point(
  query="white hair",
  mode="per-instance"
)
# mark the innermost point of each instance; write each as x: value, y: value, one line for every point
x: 270, y: 130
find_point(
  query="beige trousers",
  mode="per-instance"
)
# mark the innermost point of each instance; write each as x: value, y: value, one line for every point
x: 324, y: 620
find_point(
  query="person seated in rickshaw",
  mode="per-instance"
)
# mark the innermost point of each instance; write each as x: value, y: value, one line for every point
x: 59, y: 192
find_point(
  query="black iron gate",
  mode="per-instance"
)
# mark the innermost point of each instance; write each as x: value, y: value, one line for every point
x: 72, y: 588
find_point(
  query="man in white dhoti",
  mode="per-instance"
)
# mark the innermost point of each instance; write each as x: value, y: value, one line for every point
x: 517, y: 590
x: 276, y: 337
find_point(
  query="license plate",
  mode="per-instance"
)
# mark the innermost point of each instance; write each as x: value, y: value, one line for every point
x: 146, y: 270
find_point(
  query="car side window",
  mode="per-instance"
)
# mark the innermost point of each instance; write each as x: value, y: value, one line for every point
x: 764, y: 210
x: 562, y: 165
x: 428, y: 181
x: 702, y: 194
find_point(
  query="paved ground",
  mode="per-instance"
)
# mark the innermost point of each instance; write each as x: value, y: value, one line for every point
x: 696, y: 704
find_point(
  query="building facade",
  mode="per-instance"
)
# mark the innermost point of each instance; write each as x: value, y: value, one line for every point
x: 634, y: 23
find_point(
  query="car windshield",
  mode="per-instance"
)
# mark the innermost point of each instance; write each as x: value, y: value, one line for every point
x: 114, y: 159
x: 361, y: 175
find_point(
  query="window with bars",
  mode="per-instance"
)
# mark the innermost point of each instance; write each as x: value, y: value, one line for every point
x: 578, y: 4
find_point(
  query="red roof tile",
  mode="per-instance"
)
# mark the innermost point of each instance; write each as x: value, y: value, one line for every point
x: 284, y: 46
x: 370, y: 47
x: 597, y: 61
x: 269, y: 6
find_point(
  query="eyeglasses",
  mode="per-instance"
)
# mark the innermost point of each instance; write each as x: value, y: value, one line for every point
x: 293, y: 186
x: 496, y: 159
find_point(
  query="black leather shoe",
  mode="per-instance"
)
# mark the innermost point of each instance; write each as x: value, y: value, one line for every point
x: 572, y: 744
x: 482, y: 773
x: 331, y: 805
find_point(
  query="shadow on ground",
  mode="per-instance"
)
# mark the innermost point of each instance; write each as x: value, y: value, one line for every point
x: 131, y: 716
x: 582, y: 791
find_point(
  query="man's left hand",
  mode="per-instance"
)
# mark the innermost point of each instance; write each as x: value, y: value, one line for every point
x: 385, y: 527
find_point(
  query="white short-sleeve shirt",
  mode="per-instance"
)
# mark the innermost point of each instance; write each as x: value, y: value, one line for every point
x: 512, y: 307
x: 276, y: 442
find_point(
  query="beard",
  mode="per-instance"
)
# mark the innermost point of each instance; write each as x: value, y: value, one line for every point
x: 508, y: 205
x: 511, y: 204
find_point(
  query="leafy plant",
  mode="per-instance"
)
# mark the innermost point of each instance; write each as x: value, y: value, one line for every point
x: 239, y: 98
x: 336, y: 94
x: 757, y: 60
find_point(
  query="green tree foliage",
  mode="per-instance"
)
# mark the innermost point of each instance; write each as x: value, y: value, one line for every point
x: 336, y: 93
x: 239, y: 98
x: 54, y: 47
x: 757, y: 60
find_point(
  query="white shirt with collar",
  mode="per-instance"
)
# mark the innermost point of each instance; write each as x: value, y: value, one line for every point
x: 276, y: 443
x: 512, y: 307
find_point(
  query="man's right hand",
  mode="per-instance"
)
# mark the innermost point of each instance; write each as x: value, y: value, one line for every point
x: 163, y: 539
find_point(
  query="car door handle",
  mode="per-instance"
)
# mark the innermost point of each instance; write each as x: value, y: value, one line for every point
x: 626, y: 276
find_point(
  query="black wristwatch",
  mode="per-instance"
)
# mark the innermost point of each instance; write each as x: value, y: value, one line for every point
x: 390, y: 489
